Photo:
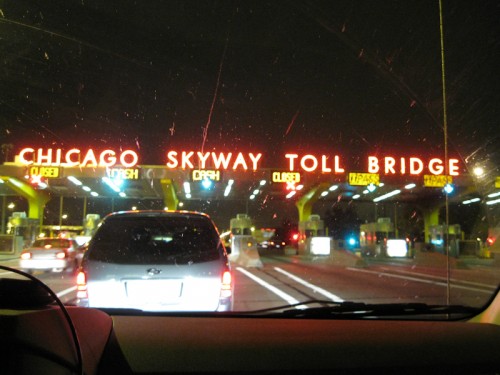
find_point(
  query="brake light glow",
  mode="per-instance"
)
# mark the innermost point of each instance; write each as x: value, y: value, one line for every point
x: 226, y: 288
x: 61, y: 255
x: 81, y: 285
x: 26, y: 256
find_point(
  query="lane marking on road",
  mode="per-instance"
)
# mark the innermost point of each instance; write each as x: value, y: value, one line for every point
x: 288, y: 298
x: 66, y: 291
x: 493, y: 287
x: 315, y: 288
x: 439, y: 283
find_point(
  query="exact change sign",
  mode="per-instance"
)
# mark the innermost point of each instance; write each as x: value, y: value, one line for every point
x: 364, y: 179
x: 431, y: 180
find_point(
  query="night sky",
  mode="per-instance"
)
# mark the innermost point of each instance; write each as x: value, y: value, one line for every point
x: 335, y: 77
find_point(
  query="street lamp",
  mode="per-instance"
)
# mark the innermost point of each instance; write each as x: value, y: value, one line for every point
x: 478, y: 171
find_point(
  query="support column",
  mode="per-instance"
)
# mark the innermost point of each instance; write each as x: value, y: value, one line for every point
x: 431, y: 217
x: 169, y: 195
x: 305, y: 205
x: 37, y: 199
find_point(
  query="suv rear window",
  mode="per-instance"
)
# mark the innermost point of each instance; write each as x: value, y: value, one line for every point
x: 153, y: 240
x: 55, y: 242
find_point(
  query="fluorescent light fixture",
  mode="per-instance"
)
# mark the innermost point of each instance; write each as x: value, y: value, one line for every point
x: 228, y: 187
x: 75, y: 180
x: 94, y: 194
x: 299, y: 187
x: 356, y: 196
x: 410, y: 186
x: 13, y: 181
x: 365, y: 191
x: 122, y: 194
x: 188, y: 195
x: 493, y: 195
x: 290, y: 194
x: 252, y: 196
x: 187, y: 188
x: 388, y: 195
x: 493, y: 202
x: 262, y: 182
x: 86, y: 188
x: 471, y: 200
x: 111, y: 184
x: 324, y: 194
x: 256, y: 191
x: 333, y: 188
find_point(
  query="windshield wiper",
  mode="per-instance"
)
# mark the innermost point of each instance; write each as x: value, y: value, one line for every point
x: 359, y: 310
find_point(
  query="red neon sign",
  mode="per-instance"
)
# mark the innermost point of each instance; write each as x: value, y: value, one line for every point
x: 413, y: 165
x: 331, y: 164
x: 185, y: 160
x: 77, y: 158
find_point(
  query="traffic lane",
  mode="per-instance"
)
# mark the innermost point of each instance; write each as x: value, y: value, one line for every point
x: 252, y: 291
x: 465, y: 272
x: 63, y: 284
x: 366, y: 284
x: 390, y: 283
x: 351, y: 285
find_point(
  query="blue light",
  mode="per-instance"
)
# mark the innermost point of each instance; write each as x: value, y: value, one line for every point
x: 352, y: 241
x: 206, y: 183
x: 448, y: 188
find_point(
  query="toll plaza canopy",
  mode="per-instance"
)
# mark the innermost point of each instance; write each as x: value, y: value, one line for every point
x: 186, y: 176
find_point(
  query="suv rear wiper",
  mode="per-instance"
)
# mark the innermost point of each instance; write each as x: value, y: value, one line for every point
x: 359, y: 310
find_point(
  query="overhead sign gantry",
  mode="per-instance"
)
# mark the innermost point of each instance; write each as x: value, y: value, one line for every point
x: 305, y: 178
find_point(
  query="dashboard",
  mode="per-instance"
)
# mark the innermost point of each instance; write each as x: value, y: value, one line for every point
x: 39, y: 342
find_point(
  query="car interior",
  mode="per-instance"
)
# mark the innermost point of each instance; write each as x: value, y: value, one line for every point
x: 39, y: 336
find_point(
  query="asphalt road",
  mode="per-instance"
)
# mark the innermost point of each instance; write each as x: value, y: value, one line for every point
x: 287, y: 280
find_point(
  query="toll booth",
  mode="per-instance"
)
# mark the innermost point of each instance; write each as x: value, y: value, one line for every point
x: 21, y: 231
x: 312, y: 237
x: 90, y: 224
x: 373, y: 237
x: 492, y: 245
x: 243, y: 245
x: 439, y: 240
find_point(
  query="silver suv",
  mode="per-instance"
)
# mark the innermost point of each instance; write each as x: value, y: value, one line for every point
x: 156, y: 261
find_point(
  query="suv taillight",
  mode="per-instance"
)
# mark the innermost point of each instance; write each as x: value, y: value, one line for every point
x: 226, y: 286
x: 26, y: 256
x: 61, y: 255
x: 81, y: 285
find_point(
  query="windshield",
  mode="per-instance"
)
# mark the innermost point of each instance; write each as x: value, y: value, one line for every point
x: 341, y: 151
